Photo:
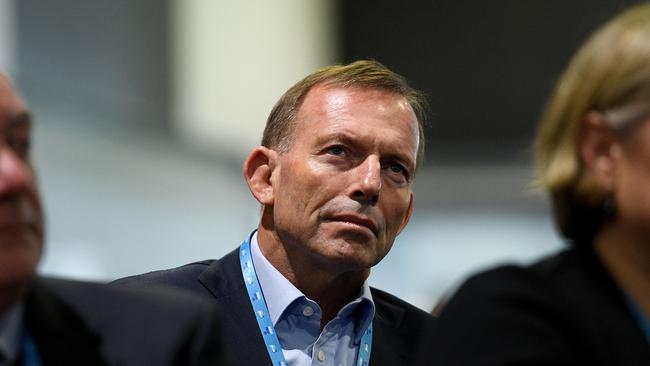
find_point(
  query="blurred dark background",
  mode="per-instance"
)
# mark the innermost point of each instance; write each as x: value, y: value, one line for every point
x: 487, y: 66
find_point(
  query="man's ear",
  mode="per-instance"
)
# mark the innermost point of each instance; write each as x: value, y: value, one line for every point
x: 258, y: 170
x: 599, y: 149
x: 407, y: 217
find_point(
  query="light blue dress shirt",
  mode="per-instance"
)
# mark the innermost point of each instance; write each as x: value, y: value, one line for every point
x: 297, y: 319
x: 10, y: 334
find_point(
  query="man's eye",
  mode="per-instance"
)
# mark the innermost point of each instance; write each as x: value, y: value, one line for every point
x: 20, y: 147
x: 396, y: 168
x: 336, y: 150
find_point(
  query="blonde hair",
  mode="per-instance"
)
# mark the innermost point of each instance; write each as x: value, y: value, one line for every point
x: 610, y: 72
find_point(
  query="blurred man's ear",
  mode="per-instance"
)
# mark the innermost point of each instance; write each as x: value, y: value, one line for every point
x: 599, y: 149
x: 258, y: 169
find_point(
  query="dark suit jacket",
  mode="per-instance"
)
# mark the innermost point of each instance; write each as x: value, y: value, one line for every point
x: 564, y: 310
x: 397, y: 325
x: 81, y: 323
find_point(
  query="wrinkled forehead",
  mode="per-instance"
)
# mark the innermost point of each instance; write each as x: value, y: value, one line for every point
x: 379, y: 101
x: 5, y: 83
x: 325, y: 98
x: 332, y: 108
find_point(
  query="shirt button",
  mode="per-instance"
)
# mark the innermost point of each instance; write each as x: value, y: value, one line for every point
x: 321, y: 356
x: 307, y: 311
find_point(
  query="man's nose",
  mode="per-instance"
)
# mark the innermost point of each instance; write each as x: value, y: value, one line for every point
x: 14, y: 172
x: 368, y: 181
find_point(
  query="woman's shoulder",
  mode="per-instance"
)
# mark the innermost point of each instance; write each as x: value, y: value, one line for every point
x: 548, y: 312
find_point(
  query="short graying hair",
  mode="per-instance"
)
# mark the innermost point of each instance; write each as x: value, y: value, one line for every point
x: 361, y: 74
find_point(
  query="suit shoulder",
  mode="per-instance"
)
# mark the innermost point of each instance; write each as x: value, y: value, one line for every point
x: 383, y: 298
x: 513, y: 313
x: 398, y: 311
x: 506, y: 292
x: 535, y: 280
x: 95, y: 295
x: 550, y: 281
x: 177, y: 277
x: 143, y: 325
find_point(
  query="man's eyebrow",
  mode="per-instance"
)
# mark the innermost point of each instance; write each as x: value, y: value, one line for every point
x: 348, y: 139
x: 22, y: 118
x: 340, y: 136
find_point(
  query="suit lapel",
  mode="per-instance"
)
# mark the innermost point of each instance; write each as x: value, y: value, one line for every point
x: 389, y: 347
x: 223, y: 279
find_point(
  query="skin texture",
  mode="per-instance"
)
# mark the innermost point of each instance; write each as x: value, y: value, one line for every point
x: 21, y: 219
x: 620, y: 164
x: 336, y: 200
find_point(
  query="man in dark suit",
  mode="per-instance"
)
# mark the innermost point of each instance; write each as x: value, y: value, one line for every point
x: 62, y: 322
x: 334, y: 176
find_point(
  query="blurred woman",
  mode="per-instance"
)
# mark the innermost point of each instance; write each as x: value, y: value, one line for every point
x: 589, y: 304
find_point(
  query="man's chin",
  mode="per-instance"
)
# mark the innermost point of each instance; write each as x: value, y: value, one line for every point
x: 18, y: 261
x: 14, y: 281
x: 352, y: 257
x: 17, y: 272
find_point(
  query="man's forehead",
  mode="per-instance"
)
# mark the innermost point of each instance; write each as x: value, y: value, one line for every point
x: 325, y: 98
x: 360, y: 92
x: 11, y: 106
x: 4, y: 79
x: 325, y: 101
x: 6, y: 86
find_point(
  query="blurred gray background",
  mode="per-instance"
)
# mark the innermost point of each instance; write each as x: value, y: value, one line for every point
x: 146, y: 109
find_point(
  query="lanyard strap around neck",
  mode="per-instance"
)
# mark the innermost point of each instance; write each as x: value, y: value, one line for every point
x: 641, y: 318
x: 29, y: 352
x: 263, y: 317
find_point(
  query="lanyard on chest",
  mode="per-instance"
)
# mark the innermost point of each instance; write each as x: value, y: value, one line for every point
x: 29, y: 352
x: 256, y: 297
x: 640, y: 317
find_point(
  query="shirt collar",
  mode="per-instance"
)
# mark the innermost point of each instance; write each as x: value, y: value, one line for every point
x: 10, y: 332
x: 279, y: 293
x: 363, y: 309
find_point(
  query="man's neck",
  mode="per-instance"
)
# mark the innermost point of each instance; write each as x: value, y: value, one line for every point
x: 329, y: 288
x: 627, y: 258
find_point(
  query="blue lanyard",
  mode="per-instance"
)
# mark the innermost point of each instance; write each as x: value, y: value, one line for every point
x: 264, y: 319
x: 29, y: 352
x: 640, y: 317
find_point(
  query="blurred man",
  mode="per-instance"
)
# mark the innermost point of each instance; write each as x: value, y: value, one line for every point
x: 334, y: 176
x: 60, y: 322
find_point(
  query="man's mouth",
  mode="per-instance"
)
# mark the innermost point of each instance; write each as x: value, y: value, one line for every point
x: 355, y: 220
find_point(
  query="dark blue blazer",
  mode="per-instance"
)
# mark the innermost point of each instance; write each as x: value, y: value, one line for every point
x: 82, y: 323
x: 398, y: 326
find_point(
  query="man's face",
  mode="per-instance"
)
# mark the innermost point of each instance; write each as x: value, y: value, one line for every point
x: 342, y: 191
x: 21, y: 222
